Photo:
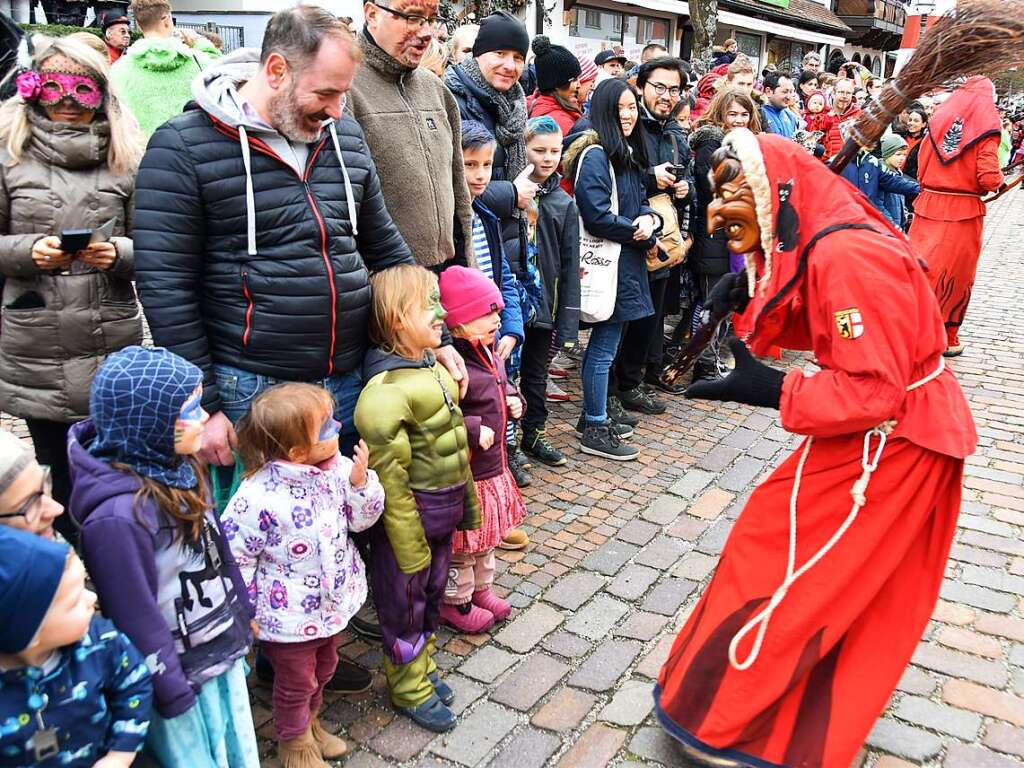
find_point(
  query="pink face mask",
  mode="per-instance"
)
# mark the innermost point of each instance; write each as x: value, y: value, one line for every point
x: 51, y: 88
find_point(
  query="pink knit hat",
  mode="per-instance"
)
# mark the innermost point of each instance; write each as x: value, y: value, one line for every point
x: 588, y: 70
x: 468, y: 294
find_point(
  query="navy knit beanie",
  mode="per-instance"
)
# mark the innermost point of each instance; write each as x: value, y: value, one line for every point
x: 556, y: 66
x: 501, y: 31
x: 31, y: 568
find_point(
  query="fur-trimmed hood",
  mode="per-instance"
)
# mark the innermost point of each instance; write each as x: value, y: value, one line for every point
x: 573, y: 151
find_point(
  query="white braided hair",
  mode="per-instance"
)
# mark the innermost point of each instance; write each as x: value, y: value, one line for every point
x: 744, y: 144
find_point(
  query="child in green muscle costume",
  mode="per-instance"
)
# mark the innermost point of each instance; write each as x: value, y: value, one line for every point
x: 408, y: 415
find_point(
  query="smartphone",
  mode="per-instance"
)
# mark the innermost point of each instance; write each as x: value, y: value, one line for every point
x: 74, y: 240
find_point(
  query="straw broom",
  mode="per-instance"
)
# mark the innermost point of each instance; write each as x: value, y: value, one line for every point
x: 979, y: 37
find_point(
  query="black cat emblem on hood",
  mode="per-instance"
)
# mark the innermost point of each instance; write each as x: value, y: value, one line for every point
x: 787, y: 223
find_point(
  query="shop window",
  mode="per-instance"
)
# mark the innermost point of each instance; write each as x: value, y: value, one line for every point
x: 650, y: 30
x: 751, y: 46
x: 596, y: 24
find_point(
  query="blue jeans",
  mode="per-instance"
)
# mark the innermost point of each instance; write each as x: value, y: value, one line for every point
x: 238, y: 388
x: 601, y: 351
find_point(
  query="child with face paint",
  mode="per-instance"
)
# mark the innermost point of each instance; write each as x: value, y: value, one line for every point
x: 474, y: 308
x: 158, y: 555
x: 298, y: 503
x: 408, y: 414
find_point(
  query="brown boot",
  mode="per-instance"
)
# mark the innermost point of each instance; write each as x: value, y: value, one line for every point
x: 300, y: 752
x: 331, y: 746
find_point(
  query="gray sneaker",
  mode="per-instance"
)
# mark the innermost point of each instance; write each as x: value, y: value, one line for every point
x: 622, y: 431
x: 620, y: 415
x: 601, y: 440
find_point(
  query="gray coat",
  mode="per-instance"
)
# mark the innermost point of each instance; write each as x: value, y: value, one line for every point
x: 62, y: 325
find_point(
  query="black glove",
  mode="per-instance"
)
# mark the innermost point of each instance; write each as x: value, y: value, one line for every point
x: 729, y: 294
x: 750, y: 382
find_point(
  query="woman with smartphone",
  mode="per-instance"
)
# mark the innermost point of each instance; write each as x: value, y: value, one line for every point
x: 68, y: 155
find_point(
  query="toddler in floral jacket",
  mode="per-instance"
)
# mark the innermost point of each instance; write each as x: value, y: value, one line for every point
x: 288, y: 527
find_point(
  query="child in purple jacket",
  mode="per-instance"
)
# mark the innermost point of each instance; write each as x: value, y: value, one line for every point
x: 474, y: 305
x: 158, y: 557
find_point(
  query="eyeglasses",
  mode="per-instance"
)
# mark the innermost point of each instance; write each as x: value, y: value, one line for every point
x: 414, y: 20
x: 32, y: 509
x: 661, y: 89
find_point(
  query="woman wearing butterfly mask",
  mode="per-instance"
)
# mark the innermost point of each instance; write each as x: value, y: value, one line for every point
x: 67, y: 161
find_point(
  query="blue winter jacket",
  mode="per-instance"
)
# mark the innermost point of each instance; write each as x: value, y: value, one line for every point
x: 96, y: 695
x: 779, y: 120
x: 593, y: 191
x: 504, y: 277
x: 894, y: 205
x: 868, y: 174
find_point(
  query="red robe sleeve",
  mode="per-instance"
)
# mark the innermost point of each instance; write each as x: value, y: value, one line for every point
x: 990, y: 175
x: 859, y: 312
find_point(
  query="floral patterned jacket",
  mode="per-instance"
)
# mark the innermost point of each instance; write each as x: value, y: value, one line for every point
x: 287, y: 526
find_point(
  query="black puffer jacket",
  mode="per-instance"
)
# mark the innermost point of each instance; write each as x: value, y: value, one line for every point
x: 710, y: 254
x: 293, y: 301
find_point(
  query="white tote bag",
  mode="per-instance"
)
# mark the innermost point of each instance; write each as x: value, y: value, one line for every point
x: 599, y: 263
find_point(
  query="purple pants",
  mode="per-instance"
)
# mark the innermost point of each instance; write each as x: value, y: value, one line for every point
x: 408, y: 604
x: 301, y: 670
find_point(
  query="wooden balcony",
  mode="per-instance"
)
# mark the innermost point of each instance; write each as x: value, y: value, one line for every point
x: 875, y: 23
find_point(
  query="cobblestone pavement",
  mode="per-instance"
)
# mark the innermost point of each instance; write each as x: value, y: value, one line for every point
x: 620, y: 553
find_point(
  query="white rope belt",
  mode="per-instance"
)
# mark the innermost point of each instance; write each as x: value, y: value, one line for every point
x: 869, y: 463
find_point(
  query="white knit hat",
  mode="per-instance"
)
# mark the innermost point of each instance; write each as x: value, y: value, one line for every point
x: 14, y: 457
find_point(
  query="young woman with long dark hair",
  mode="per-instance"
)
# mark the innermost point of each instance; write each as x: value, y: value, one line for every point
x: 616, y: 162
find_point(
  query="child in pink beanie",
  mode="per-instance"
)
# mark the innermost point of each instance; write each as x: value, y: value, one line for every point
x: 474, y: 304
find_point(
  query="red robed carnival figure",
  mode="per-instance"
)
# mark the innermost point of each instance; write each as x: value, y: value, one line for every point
x: 832, y: 571
x: 958, y: 162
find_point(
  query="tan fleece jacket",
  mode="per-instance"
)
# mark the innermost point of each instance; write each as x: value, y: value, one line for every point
x: 413, y: 130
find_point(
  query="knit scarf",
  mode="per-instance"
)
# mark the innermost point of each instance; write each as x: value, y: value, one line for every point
x: 511, y: 123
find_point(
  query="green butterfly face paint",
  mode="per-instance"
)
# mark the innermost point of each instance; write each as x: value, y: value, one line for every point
x: 440, y: 313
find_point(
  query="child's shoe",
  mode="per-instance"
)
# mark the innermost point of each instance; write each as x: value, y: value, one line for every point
x: 442, y: 689
x: 489, y: 601
x: 300, y: 752
x: 431, y: 714
x: 331, y: 746
x: 467, y: 618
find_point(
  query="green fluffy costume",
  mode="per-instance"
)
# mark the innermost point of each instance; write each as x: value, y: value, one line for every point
x: 154, y: 77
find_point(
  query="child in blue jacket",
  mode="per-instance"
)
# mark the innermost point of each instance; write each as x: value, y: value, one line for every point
x: 73, y: 690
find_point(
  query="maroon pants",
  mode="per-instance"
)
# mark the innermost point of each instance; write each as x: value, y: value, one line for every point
x: 301, y: 670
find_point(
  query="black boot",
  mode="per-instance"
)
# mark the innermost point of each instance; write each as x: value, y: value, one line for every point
x: 535, y: 443
x: 517, y: 467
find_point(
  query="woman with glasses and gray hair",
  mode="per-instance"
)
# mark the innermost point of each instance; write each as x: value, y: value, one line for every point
x: 25, y: 500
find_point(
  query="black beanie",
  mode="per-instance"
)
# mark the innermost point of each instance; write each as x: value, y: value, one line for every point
x: 501, y: 31
x: 556, y: 65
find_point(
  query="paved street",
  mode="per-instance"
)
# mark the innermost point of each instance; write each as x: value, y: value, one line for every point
x: 620, y: 553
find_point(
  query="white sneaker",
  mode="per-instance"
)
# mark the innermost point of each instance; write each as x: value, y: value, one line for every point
x: 555, y: 393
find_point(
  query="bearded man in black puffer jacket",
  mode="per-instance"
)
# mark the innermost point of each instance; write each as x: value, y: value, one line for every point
x: 258, y: 219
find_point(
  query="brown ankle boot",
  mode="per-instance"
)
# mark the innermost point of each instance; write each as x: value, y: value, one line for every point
x: 300, y: 752
x: 331, y: 746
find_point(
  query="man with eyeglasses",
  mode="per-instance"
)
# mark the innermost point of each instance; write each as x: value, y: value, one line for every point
x: 412, y: 127
x: 661, y: 82
x: 25, y: 500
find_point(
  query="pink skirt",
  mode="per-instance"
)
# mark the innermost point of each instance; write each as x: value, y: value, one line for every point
x: 501, y: 510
